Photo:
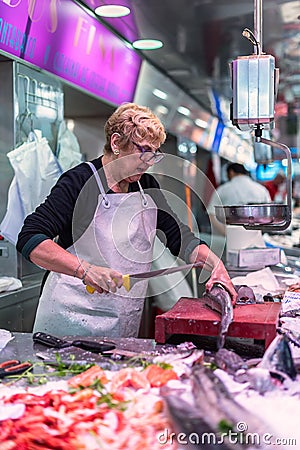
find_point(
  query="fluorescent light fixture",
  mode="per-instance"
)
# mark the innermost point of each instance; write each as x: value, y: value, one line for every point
x: 183, y: 110
x: 201, y: 123
x: 161, y: 110
x: 160, y: 94
x: 70, y: 124
x: 147, y: 44
x: 112, y: 11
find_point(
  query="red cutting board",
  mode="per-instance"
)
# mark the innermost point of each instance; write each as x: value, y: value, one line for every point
x: 192, y: 316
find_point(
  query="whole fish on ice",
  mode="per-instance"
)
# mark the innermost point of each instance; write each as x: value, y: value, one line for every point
x: 229, y: 361
x: 278, y: 357
x: 211, y: 417
x: 276, y: 364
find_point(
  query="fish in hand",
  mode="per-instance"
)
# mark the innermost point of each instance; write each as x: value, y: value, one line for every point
x: 218, y: 299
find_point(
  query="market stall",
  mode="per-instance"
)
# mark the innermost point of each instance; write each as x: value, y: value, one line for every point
x: 146, y: 395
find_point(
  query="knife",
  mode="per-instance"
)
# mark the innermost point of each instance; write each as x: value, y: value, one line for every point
x: 54, y: 342
x: 129, y: 280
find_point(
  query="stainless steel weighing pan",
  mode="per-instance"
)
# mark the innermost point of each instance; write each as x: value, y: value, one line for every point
x: 251, y: 216
x: 265, y: 217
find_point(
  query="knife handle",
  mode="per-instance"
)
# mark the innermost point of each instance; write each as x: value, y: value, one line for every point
x: 49, y: 340
x: 126, y: 284
x: 90, y: 289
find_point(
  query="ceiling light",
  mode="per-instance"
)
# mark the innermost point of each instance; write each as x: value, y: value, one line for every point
x: 201, y: 123
x: 160, y: 94
x: 193, y: 148
x: 112, y: 11
x: 70, y: 124
x: 183, y: 148
x: 161, y: 110
x: 183, y: 110
x: 147, y: 44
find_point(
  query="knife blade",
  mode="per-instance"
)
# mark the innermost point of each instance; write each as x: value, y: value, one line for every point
x: 129, y: 280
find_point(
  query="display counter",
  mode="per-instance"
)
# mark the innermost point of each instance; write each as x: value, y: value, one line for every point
x: 17, y: 308
x: 130, y: 408
x: 22, y: 348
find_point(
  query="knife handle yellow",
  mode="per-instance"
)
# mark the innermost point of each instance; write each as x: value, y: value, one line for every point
x: 126, y: 284
x: 90, y: 289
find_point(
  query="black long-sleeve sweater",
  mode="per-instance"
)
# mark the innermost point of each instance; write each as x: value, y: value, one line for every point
x: 69, y: 209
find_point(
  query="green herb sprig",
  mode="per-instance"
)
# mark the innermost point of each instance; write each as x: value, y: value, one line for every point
x: 41, y: 372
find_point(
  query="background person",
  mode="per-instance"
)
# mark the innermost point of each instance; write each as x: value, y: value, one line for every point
x: 240, y: 189
x: 276, y: 187
x: 104, y: 215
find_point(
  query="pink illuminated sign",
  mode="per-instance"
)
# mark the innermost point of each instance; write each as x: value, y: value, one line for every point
x: 60, y: 37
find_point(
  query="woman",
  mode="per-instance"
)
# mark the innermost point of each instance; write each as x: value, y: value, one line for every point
x: 104, y: 215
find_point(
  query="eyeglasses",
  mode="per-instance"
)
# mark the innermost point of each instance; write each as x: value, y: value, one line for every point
x: 148, y: 156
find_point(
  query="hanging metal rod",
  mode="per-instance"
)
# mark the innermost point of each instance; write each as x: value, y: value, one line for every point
x: 258, y: 23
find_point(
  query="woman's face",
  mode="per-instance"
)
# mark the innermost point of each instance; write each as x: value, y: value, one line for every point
x: 135, y: 160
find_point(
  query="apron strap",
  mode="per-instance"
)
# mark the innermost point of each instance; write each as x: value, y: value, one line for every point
x: 145, y: 201
x: 100, y: 185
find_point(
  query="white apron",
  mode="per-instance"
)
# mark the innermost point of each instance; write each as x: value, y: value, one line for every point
x: 120, y: 236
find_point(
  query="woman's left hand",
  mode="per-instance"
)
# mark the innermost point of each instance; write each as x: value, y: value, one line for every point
x: 213, y: 263
x: 220, y: 275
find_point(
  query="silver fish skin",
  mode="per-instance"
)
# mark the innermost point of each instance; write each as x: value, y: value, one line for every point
x: 229, y: 361
x: 219, y: 299
x: 257, y: 378
x: 217, y: 405
x: 278, y: 357
x: 291, y: 313
x: 291, y: 335
x: 182, y: 362
x: 190, y: 420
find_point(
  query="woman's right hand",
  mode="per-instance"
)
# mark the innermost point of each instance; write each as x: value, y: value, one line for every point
x: 49, y: 255
x: 102, y: 279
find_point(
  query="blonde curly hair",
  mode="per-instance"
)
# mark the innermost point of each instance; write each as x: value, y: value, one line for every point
x: 134, y: 123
